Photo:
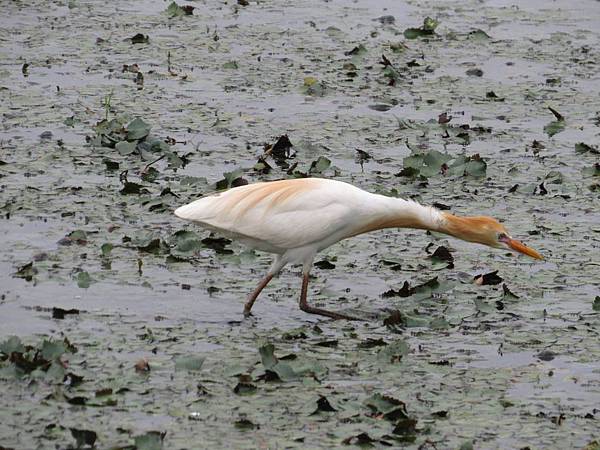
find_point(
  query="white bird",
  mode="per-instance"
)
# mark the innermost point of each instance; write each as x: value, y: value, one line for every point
x: 295, y: 219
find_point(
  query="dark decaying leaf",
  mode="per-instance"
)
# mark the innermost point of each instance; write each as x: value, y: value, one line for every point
x: 406, y: 291
x: 323, y: 405
x: 361, y: 440
x: 282, y: 149
x: 546, y: 355
x: 130, y: 187
x: 596, y: 303
x: 325, y: 265
x: 83, y: 437
x: 218, y: 244
x: 407, y: 427
x: 26, y: 271
x: 139, y: 38
x: 243, y: 423
x: 488, y: 278
x: 507, y: 293
x: 142, y: 366
x: 442, y: 257
x: 59, y: 313
x: 370, y: 343
x: 72, y: 379
x: 231, y: 179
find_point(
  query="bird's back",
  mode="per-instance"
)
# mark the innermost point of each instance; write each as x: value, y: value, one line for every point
x: 281, y: 215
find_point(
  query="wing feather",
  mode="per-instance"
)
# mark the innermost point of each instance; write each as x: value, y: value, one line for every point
x: 279, y: 215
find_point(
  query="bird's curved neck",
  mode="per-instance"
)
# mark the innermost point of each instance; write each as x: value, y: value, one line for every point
x: 389, y: 212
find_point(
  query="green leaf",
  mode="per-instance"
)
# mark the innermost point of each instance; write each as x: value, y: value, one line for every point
x: 152, y: 440
x: 12, y: 344
x: 554, y: 127
x: 391, y: 408
x: 394, y: 352
x: 482, y: 306
x: 53, y: 349
x: 174, y: 10
x: 83, y: 280
x: 231, y: 65
x: 125, y: 148
x: 320, y: 165
x: 479, y: 35
x: 189, y: 363
x: 313, y: 87
x: 230, y: 179
x: 592, y: 171
x: 106, y: 248
x: 267, y: 356
x: 428, y: 29
x: 582, y: 147
x: 137, y: 129
x: 185, y: 244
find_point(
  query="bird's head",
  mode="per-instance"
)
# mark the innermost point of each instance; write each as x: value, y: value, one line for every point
x: 487, y: 231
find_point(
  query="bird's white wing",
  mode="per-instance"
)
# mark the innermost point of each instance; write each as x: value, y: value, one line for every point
x: 280, y: 215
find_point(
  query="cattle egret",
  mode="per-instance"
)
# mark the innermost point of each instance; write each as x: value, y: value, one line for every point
x: 297, y: 218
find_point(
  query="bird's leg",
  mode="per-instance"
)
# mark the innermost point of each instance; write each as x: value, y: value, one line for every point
x: 256, y: 293
x: 304, y: 306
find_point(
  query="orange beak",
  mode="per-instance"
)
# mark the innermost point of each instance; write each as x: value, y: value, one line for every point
x: 518, y: 246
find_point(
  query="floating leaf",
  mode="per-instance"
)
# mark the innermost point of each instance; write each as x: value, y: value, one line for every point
x: 478, y: 35
x: 83, y: 280
x: 137, y: 129
x: 320, y: 165
x: 126, y: 148
x: 60, y: 313
x: 140, y: 38
x: 174, y: 10
x: 83, y: 437
x: 231, y: 65
x: 582, y: 147
x: 231, y: 179
x: 324, y: 265
x: 313, y: 87
x: 592, y: 171
x: 26, y: 271
x: 323, y: 405
x: 189, y: 363
x: 388, y: 407
x: 393, y: 352
x: 441, y: 258
x: 427, y: 30
x: 487, y: 278
x: 12, y: 344
x: 596, y: 303
x: 106, y: 249
x: 152, y: 440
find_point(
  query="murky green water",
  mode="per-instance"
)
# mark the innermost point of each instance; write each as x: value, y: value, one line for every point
x: 471, y: 363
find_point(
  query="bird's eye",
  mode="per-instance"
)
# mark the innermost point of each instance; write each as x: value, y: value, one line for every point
x: 502, y: 236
